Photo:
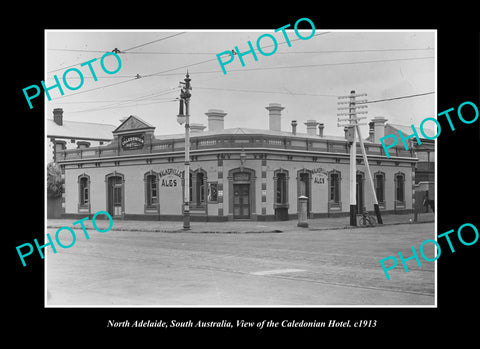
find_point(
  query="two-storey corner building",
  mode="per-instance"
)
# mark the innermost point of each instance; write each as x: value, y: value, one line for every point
x: 236, y: 173
x: 63, y: 134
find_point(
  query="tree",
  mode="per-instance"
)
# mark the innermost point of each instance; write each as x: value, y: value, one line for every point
x: 54, y: 180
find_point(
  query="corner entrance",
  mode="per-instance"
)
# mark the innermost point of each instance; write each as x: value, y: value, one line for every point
x: 241, y: 197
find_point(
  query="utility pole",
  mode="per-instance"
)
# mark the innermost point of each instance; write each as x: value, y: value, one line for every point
x: 353, y: 125
x: 181, y: 119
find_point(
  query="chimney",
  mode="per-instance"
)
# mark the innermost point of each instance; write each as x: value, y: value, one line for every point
x: 294, y: 127
x: 378, y: 128
x: 311, y: 127
x: 321, y: 126
x: 371, y: 131
x: 275, y: 116
x: 215, y: 119
x: 197, y: 128
x: 58, y: 116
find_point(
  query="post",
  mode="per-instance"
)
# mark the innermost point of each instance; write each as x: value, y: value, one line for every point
x: 370, y: 178
x: 185, y: 98
x: 186, y: 207
x: 353, y: 165
x: 302, y: 212
x: 352, y: 120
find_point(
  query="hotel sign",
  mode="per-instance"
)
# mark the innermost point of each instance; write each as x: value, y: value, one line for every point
x: 319, y: 176
x: 133, y: 142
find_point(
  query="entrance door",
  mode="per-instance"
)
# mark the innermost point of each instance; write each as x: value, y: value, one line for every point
x: 115, y: 196
x: 241, y: 201
x: 304, y: 189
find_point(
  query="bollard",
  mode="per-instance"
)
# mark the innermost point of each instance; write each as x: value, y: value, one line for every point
x: 302, y: 211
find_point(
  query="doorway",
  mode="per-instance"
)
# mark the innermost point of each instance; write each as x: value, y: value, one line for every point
x: 241, y: 201
x: 304, y: 189
x: 115, y: 196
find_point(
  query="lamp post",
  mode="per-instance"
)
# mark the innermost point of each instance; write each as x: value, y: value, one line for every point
x: 185, y: 119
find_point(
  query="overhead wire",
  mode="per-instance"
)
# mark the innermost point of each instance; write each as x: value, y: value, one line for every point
x: 126, y: 50
x: 166, y: 71
x: 268, y: 92
x: 289, y: 52
x: 401, y: 97
x: 300, y: 66
x: 133, y: 100
x: 215, y: 59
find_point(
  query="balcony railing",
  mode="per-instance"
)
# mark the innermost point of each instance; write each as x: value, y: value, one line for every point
x: 230, y: 141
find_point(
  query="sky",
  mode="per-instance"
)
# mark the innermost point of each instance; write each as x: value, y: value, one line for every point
x: 305, y: 78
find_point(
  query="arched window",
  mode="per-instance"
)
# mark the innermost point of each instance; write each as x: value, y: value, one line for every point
x: 280, y: 181
x: 399, y: 189
x: 198, y: 186
x: 334, y: 189
x: 83, y: 193
x: 151, y: 189
x: 379, y: 183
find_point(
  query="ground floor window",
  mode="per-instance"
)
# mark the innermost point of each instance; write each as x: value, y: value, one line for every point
x: 151, y: 190
x: 84, y: 192
x: 334, y: 186
x: 198, y: 187
x: 399, y: 185
x: 379, y: 182
x: 400, y: 188
x: 212, y: 192
x: 280, y: 180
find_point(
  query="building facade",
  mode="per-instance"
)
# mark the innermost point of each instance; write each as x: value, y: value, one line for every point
x: 236, y: 174
x: 62, y: 135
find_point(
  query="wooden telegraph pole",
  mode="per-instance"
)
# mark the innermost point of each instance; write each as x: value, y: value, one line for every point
x: 352, y: 125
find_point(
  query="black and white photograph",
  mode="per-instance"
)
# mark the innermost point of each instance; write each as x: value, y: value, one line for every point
x: 266, y: 124
x: 263, y: 174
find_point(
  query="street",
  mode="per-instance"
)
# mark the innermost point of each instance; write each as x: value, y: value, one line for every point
x: 295, y: 268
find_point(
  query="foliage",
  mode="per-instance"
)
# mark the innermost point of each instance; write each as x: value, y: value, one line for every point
x: 54, y: 180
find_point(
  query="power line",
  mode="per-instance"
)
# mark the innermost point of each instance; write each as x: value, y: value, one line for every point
x: 299, y: 66
x: 128, y: 49
x: 96, y: 88
x: 289, y: 52
x: 151, y: 42
x: 112, y: 100
x: 137, y: 99
x: 401, y: 97
x: 309, y: 94
x: 215, y: 59
x: 268, y: 92
x: 125, y: 106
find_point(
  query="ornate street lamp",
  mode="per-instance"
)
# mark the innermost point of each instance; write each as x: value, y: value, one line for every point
x: 185, y: 119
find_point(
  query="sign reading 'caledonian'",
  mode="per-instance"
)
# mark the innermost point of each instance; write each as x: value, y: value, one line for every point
x: 132, y: 142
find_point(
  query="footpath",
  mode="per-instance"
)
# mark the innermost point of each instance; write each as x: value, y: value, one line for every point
x: 238, y: 226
